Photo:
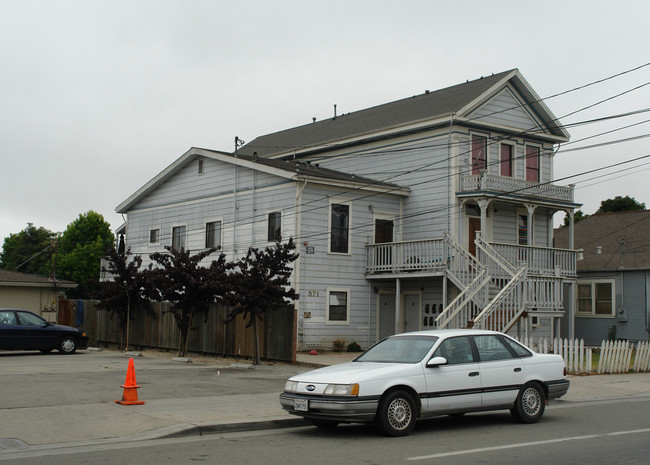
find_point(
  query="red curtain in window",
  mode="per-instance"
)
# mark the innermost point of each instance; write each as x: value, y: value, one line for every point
x: 479, y: 158
x: 532, y: 164
x: 506, y: 160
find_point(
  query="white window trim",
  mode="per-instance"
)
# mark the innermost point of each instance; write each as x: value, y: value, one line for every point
x: 268, y: 212
x: 205, y: 225
x: 327, y: 306
x: 338, y: 201
x: 153, y: 244
x: 171, y: 234
x: 593, y: 313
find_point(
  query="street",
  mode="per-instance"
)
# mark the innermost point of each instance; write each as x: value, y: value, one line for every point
x: 609, y: 432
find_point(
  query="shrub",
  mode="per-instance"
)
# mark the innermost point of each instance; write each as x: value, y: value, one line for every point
x: 354, y: 347
x: 338, y: 345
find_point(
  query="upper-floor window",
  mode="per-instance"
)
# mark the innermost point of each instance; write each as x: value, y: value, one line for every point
x: 532, y: 163
x: 178, y: 237
x: 275, y: 227
x: 212, y: 234
x: 596, y: 298
x: 506, y: 160
x: 154, y: 236
x: 479, y: 155
x: 339, y: 228
x: 200, y: 167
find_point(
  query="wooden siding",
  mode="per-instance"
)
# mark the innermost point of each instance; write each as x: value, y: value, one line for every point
x: 505, y: 109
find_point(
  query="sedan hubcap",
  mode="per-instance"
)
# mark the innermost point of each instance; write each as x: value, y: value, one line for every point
x: 531, y: 401
x: 399, y: 414
x: 68, y: 345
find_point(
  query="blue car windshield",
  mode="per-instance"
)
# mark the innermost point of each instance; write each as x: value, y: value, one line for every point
x: 399, y: 349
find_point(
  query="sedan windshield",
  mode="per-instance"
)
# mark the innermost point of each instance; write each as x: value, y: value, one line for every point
x: 400, y: 349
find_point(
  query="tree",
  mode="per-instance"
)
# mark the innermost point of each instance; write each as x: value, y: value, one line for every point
x: 620, y: 204
x: 28, y: 251
x: 261, y: 284
x: 125, y: 294
x: 84, y: 242
x: 180, y: 279
x: 577, y: 216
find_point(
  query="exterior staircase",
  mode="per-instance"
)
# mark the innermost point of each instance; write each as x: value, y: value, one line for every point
x: 495, y: 291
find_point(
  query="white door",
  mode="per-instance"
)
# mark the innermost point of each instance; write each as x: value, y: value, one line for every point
x: 501, y: 371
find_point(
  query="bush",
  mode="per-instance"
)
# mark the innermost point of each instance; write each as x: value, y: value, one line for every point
x: 338, y: 345
x: 354, y: 347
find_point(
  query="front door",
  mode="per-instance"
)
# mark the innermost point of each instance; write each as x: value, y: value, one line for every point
x: 386, y: 315
x: 384, y: 235
x: 474, y: 227
x: 412, y: 314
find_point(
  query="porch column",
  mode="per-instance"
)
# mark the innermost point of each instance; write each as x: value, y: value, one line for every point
x: 531, y: 211
x: 571, y: 311
x: 483, y: 204
x: 398, y: 310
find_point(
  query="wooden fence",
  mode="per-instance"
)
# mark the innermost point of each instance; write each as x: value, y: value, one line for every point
x: 614, y: 356
x: 208, y: 334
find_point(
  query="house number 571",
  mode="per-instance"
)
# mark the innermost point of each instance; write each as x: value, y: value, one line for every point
x: 312, y: 293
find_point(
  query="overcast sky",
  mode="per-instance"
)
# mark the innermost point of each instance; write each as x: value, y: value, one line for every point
x: 97, y: 97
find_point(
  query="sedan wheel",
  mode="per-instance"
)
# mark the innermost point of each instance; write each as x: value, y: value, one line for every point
x: 68, y: 345
x: 530, y: 404
x: 396, y: 415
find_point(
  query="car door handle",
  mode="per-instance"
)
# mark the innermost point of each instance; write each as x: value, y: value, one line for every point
x: 473, y: 373
x: 517, y: 370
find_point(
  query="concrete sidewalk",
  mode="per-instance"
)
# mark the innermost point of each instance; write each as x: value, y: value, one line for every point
x: 82, y: 423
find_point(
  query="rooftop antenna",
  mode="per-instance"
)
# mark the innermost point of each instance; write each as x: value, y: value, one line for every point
x: 238, y: 143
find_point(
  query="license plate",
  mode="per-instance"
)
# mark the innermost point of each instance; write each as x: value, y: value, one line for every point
x: 300, y: 405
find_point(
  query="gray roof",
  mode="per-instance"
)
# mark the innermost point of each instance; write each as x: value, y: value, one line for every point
x: 15, y: 278
x: 418, y: 108
x: 623, y: 239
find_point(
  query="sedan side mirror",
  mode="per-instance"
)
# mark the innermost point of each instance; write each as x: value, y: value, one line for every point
x: 436, y: 362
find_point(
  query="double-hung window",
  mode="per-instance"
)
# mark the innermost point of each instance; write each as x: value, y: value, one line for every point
x: 339, y: 228
x: 178, y: 237
x: 479, y: 155
x: 154, y: 236
x: 275, y: 227
x: 212, y: 234
x: 506, y: 159
x: 596, y: 298
x: 338, y: 306
x: 532, y: 163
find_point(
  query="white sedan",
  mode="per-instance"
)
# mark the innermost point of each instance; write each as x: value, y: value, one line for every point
x: 428, y: 373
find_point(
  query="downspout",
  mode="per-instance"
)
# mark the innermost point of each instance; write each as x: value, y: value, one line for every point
x: 451, y: 124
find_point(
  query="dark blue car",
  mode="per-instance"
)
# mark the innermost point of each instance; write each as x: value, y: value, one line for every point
x: 24, y: 330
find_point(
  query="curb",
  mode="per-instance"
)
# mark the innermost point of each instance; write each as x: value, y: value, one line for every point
x: 235, y: 427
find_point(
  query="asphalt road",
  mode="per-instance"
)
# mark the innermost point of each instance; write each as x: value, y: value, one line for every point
x: 597, y: 432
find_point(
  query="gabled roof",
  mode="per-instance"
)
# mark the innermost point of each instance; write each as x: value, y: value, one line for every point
x: 288, y: 169
x: 403, y: 115
x: 15, y: 278
x: 623, y: 239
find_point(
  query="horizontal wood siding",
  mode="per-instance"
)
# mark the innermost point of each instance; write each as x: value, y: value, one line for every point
x: 506, y: 110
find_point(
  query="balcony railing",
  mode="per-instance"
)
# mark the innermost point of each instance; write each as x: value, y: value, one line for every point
x: 436, y: 255
x: 507, y: 185
x: 399, y: 257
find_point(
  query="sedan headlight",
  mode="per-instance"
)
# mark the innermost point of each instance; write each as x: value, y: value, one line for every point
x: 291, y: 386
x: 342, y: 390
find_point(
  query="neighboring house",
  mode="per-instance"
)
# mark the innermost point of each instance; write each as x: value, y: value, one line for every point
x: 386, y: 205
x: 31, y: 292
x: 613, y: 276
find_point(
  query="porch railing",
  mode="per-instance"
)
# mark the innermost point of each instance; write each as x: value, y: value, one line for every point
x: 539, y: 260
x: 397, y: 257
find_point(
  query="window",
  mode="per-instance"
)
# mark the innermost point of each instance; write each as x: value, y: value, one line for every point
x: 8, y: 318
x: 479, y: 156
x: 154, y: 236
x: 522, y: 229
x: 339, y: 228
x: 200, y: 164
x: 455, y: 350
x: 212, y: 234
x: 337, y: 306
x: 491, y: 348
x: 520, y: 350
x: 596, y: 298
x: 275, y: 227
x: 178, y: 237
x: 532, y: 164
x: 506, y: 160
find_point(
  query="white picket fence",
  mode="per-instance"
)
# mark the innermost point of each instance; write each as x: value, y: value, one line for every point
x: 615, y: 356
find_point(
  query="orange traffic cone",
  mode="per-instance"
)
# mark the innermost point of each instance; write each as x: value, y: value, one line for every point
x: 130, y: 395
